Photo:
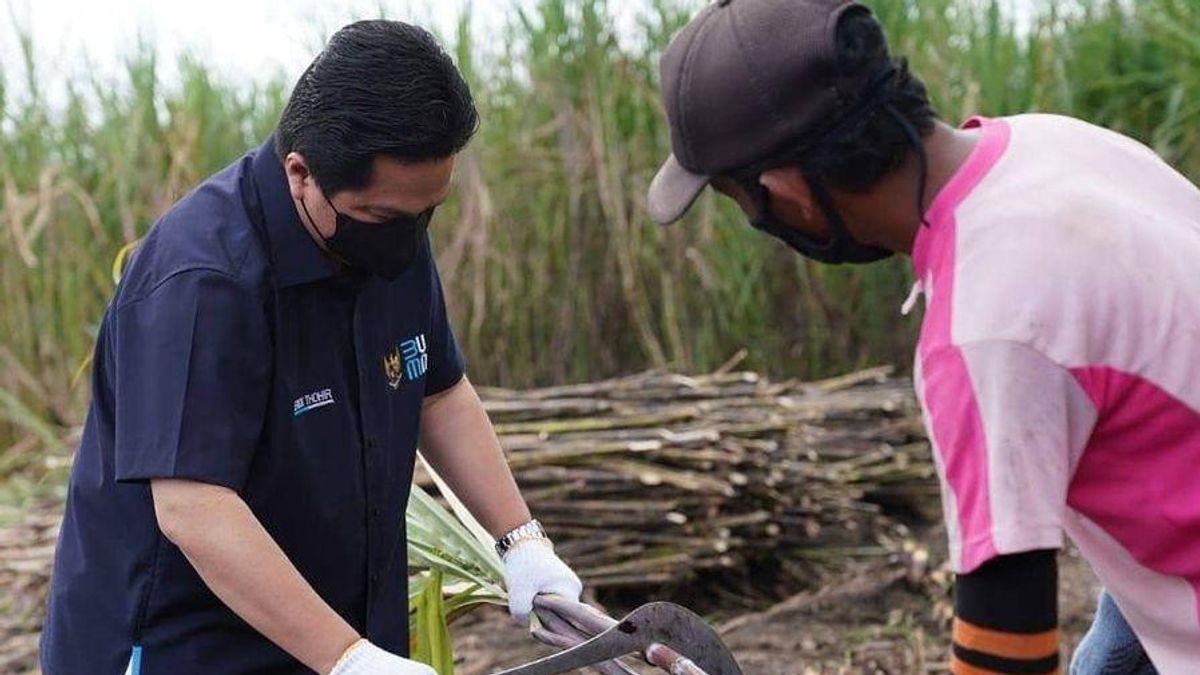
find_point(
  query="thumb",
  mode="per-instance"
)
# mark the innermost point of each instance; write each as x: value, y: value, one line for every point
x: 520, y: 602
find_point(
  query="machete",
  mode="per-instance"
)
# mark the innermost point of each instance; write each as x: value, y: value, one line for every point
x: 657, y: 623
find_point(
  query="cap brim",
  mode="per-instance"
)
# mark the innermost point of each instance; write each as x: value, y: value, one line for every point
x: 673, y: 192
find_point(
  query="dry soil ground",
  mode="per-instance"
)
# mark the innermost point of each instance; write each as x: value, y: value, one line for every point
x: 877, y: 619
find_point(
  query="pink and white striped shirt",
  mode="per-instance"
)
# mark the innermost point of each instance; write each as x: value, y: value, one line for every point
x: 1059, y: 364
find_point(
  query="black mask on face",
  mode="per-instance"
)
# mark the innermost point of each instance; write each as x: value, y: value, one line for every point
x: 841, y: 248
x: 385, y: 249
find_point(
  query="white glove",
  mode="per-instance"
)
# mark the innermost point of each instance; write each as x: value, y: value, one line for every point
x: 531, y: 568
x: 364, y: 658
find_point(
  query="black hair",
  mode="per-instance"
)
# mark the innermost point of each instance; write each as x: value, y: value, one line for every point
x: 378, y: 88
x: 859, y: 155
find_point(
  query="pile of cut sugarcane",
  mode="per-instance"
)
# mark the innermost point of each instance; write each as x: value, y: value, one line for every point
x: 652, y: 479
x: 26, y: 554
x: 655, y: 479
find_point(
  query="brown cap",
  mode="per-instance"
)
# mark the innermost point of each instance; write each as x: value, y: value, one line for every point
x: 740, y: 83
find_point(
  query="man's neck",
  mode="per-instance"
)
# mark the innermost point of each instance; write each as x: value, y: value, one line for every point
x: 889, y: 212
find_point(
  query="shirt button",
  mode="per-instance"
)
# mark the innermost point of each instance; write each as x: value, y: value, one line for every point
x: 371, y: 443
x: 377, y: 512
x: 375, y: 577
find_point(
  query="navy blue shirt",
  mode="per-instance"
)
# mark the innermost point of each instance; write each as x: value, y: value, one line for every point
x: 236, y: 353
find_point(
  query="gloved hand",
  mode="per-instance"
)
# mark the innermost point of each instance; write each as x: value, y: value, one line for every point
x: 364, y: 658
x: 531, y: 568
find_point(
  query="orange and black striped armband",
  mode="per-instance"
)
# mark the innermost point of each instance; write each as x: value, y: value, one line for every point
x: 1006, y: 617
x: 981, y: 651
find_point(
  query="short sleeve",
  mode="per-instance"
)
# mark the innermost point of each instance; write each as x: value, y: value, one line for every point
x: 1007, y: 425
x: 446, y: 367
x: 192, y: 379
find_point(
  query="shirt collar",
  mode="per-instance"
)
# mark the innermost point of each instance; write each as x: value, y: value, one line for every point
x: 295, y: 257
x: 993, y: 143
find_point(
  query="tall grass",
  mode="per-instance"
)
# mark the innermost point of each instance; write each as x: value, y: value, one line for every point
x: 555, y: 272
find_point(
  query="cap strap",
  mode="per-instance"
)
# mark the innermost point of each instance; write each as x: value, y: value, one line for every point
x: 914, y: 139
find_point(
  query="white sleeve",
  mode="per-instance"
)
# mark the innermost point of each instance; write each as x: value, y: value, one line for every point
x: 1007, y: 427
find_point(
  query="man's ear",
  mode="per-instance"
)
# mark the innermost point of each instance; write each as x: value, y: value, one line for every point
x: 790, y: 193
x: 298, y: 175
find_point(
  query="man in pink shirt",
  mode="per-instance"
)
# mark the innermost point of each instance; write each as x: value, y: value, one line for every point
x: 1057, y: 362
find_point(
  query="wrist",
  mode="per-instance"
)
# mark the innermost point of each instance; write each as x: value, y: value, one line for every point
x: 343, y: 655
x: 531, y: 531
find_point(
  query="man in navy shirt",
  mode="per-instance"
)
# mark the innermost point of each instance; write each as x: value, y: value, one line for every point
x: 273, y: 355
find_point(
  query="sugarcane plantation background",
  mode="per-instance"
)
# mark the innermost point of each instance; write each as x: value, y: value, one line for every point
x: 555, y: 272
x: 555, y: 275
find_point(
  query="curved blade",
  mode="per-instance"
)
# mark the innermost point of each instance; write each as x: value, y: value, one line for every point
x: 610, y: 644
x: 685, y: 632
x: 657, y: 623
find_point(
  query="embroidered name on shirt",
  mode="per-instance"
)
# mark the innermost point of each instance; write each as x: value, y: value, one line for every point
x: 408, y: 361
x: 310, y: 402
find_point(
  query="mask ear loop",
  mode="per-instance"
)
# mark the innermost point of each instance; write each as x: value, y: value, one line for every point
x: 764, y: 221
x: 914, y: 140
x: 312, y: 222
x: 833, y: 216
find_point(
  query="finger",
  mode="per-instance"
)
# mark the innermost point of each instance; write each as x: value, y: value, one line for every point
x: 553, y: 639
x: 520, y: 605
x: 561, y: 626
x: 585, y: 617
x: 564, y: 636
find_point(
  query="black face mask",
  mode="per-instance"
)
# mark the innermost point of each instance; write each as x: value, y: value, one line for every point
x: 841, y: 248
x: 386, y: 249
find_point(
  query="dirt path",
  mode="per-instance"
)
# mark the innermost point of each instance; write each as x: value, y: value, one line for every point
x: 879, y: 620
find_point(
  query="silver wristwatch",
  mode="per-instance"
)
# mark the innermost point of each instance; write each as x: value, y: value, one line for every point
x: 532, y: 530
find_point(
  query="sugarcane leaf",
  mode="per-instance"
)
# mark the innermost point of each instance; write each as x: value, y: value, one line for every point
x: 424, y: 557
x: 433, y: 644
x: 460, y: 571
x: 463, y: 535
x: 13, y: 410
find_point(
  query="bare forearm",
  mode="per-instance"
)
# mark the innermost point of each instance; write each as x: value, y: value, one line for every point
x: 458, y: 440
x: 246, y: 569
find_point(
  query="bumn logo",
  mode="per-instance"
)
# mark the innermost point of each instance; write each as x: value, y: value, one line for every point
x: 408, y: 361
